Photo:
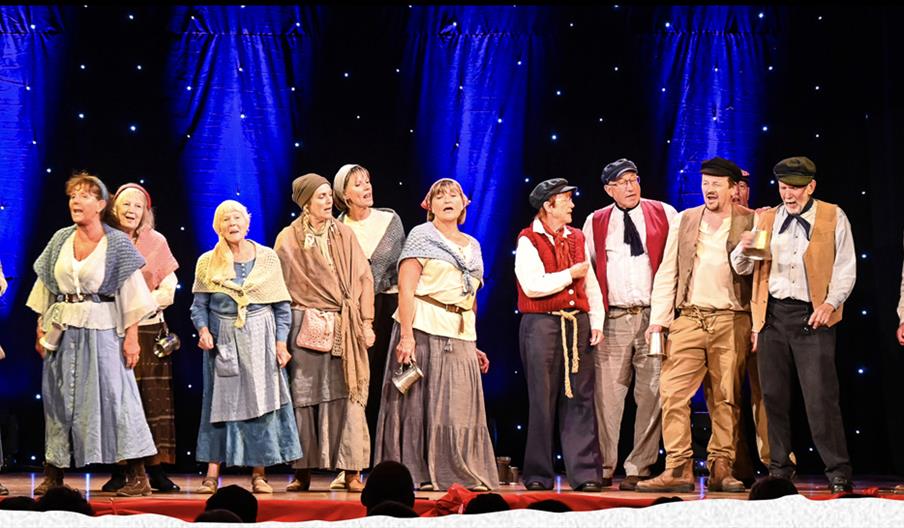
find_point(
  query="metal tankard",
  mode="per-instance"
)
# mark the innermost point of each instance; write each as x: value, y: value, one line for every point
x: 406, y: 376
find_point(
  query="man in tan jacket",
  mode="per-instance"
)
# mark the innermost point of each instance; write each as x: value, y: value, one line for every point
x: 710, y: 337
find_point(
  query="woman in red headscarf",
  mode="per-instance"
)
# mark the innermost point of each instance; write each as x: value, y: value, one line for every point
x: 131, y: 213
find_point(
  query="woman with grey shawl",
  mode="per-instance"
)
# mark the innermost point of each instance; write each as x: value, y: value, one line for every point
x: 91, y: 295
x: 438, y: 428
x: 380, y: 234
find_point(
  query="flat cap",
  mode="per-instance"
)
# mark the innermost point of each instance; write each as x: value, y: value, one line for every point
x: 721, y: 167
x: 797, y: 171
x: 615, y: 169
x: 547, y: 189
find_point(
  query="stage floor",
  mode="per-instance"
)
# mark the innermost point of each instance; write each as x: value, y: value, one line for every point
x: 813, y: 486
x: 325, y: 505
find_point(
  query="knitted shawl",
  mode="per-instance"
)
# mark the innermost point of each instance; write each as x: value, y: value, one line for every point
x: 384, y: 261
x: 160, y: 260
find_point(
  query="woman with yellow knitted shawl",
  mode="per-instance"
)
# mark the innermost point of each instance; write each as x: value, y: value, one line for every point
x: 328, y: 278
x: 241, y: 311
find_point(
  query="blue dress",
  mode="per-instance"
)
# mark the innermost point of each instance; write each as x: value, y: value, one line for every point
x: 265, y: 440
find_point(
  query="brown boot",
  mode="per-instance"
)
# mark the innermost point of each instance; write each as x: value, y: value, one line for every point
x: 720, y: 478
x: 137, y: 484
x: 301, y: 482
x: 53, y: 477
x: 679, y: 480
x: 353, y: 481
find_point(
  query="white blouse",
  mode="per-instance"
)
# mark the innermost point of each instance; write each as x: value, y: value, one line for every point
x: 133, y: 301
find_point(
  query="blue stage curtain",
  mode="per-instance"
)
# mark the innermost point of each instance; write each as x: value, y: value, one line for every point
x: 712, y: 62
x: 231, y: 75
x: 470, y: 95
x: 32, y: 45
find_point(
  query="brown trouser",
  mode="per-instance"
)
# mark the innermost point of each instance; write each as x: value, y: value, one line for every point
x: 703, y: 344
x: 750, y: 370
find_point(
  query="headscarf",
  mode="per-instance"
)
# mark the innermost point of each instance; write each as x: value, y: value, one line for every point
x: 339, y: 186
x: 303, y: 187
x: 222, y: 264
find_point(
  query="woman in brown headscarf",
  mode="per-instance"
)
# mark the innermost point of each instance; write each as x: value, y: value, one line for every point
x: 331, y: 287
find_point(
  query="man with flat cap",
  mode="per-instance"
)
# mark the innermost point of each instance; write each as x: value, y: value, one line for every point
x: 562, y: 320
x: 711, y: 335
x: 798, y: 298
x: 625, y: 242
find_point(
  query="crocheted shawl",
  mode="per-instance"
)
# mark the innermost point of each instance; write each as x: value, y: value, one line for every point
x: 425, y: 241
x: 121, y: 261
x: 264, y: 285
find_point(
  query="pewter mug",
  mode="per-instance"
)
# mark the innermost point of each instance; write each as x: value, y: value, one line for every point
x: 406, y: 376
x: 657, y: 344
x: 759, y: 247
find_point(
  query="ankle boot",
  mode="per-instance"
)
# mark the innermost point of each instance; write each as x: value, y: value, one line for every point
x: 720, y: 478
x: 53, y: 477
x: 158, y: 479
x: 301, y: 482
x: 117, y: 479
x: 136, y: 481
x: 353, y: 481
x: 679, y: 479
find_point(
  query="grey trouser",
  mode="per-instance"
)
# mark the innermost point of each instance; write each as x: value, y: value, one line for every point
x: 619, y: 358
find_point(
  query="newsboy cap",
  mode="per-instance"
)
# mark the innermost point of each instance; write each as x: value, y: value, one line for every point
x: 721, y: 167
x: 547, y: 189
x: 797, y: 171
x: 612, y: 171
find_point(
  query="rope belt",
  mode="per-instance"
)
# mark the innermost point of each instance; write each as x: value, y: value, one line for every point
x: 616, y: 312
x: 453, y: 308
x: 705, y: 317
x: 572, y: 364
x: 83, y: 297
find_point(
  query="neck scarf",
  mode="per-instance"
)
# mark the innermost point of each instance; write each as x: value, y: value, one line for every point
x: 800, y: 219
x: 563, y: 252
x: 632, y: 237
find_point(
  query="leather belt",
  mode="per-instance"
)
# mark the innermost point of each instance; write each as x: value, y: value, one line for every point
x: 83, y: 297
x: 447, y: 307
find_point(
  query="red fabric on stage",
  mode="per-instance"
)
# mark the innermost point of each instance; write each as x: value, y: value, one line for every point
x: 333, y: 510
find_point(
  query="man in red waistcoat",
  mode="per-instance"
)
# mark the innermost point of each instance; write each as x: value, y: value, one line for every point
x: 562, y: 320
x: 625, y: 242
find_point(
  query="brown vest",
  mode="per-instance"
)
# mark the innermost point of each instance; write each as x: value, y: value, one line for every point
x: 688, y: 231
x: 819, y: 259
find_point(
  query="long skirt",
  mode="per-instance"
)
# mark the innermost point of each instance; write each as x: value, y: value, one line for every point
x: 265, y: 440
x: 332, y: 429
x: 155, y: 385
x: 89, y: 393
x: 439, y: 428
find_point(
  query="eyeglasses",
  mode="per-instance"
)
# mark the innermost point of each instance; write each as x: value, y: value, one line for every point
x: 626, y: 183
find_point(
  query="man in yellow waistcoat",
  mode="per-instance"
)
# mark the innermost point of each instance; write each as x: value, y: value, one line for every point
x: 798, y: 297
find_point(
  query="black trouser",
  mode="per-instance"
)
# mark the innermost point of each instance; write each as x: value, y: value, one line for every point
x: 786, y: 343
x: 540, y: 338
x: 385, y: 305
